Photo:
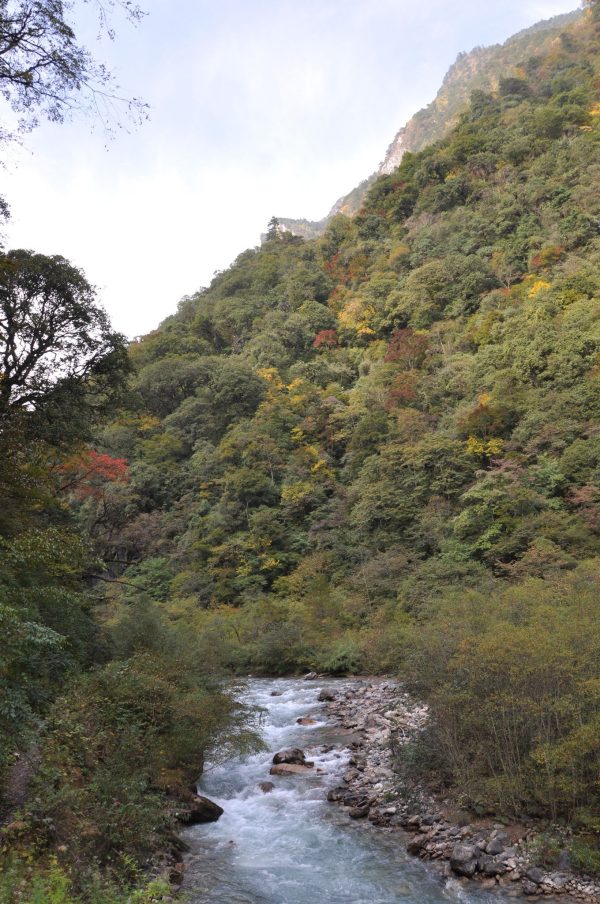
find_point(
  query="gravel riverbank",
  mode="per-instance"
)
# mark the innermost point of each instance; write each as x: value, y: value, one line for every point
x: 385, y: 718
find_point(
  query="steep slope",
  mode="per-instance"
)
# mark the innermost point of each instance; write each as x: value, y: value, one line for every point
x: 379, y: 449
x: 478, y: 70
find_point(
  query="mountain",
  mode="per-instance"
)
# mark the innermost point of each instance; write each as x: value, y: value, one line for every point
x: 378, y: 450
x: 478, y: 70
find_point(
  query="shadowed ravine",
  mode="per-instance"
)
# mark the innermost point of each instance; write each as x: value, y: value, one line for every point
x: 290, y: 846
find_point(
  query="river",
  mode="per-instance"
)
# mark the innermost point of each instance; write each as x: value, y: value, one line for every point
x: 291, y: 846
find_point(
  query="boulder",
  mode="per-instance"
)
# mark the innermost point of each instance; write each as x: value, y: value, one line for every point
x: 359, y: 812
x: 310, y: 676
x: 266, y: 787
x: 176, y: 873
x: 497, y: 843
x: 326, y: 696
x: 416, y: 845
x: 198, y: 810
x: 291, y: 769
x: 535, y: 874
x: 290, y: 755
x: 490, y: 866
x: 463, y: 860
x: 356, y: 799
x: 276, y: 693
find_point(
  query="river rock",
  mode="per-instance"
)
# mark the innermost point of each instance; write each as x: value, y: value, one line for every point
x: 276, y: 693
x: 176, y: 872
x: 359, y: 812
x: 290, y: 755
x: 490, y: 866
x: 535, y: 874
x: 198, y: 810
x: 306, y: 720
x: 463, y: 860
x: 326, y: 696
x: 291, y: 769
x: 310, y: 676
x: 497, y: 843
x: 266, y: 787
x: 416, y: 846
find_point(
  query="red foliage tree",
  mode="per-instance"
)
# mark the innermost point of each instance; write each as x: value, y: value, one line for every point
x: 326, y: 339
x: 403, y: 390
x: 407, y: 348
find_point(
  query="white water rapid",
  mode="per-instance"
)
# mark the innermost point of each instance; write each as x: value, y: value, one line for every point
x: 291, y: 846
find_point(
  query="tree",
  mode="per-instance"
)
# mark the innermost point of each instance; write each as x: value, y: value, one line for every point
x: 46, y: 73
x: 273, y: 229
x: 55, y: 341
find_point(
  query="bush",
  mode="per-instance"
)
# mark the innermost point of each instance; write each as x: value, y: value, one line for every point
x: 24, y: 883
x: 514, y: 694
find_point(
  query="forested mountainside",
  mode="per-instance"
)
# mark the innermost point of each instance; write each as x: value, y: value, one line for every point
x: 374, y: 451
x: 479, y: 70
x: 379, y: 450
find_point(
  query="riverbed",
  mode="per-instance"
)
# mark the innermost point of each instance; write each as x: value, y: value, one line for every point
x: 291, y: 846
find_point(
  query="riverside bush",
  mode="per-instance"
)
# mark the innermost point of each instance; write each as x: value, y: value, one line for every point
x: 513, y: 686
x: 22, y: 883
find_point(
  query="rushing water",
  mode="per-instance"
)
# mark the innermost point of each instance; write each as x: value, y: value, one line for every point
x: 291, y: 846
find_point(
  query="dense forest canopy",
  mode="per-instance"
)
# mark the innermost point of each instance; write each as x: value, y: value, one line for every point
x: 341, y: 441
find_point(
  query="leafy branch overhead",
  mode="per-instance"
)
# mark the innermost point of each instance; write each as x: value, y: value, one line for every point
x: 45, y: 72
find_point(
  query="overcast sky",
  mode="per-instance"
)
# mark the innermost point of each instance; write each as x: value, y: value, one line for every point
x: 258, y: 107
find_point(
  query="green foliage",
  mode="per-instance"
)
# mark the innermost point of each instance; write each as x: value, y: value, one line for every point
x: 513, y: 686
x: 22, y: 882
x: 126, y: 736
x: 62, y: 359
x: 348, y: 444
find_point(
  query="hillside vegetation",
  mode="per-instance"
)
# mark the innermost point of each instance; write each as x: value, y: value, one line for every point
x: 379, y: 450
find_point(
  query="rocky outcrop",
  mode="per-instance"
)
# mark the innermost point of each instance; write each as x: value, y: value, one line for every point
x: 480, y: 69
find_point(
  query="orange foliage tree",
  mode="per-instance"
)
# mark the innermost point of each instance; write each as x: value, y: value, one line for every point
x: 87, y: 473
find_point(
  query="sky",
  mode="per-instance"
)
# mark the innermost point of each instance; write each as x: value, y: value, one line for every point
x: 257, y: 108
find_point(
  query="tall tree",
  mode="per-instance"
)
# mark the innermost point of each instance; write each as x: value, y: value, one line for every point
x: 56, y: 343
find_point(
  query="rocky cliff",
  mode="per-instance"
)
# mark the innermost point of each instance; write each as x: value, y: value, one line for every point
x: 479, y: 70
